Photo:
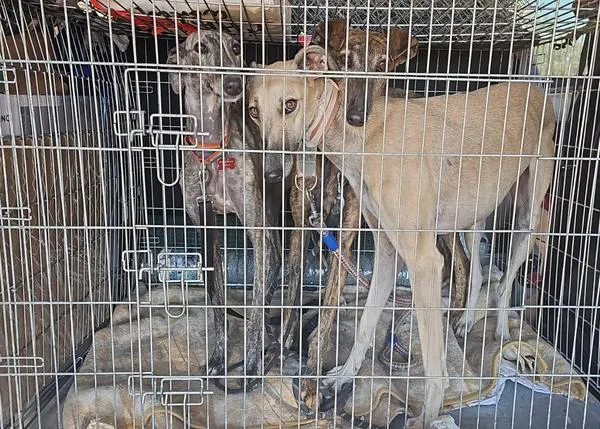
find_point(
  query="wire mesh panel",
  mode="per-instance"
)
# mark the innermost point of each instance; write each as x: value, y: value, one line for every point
x: 500, y: 23
x: 61, y: 199
x: 293, y: 213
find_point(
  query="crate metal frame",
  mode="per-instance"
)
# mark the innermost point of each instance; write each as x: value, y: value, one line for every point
x: 142, y: 223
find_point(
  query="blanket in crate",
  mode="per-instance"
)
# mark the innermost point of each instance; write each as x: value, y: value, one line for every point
x: 142, y: 370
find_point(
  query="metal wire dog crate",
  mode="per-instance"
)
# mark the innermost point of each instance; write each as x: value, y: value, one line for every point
x: 105, y: 320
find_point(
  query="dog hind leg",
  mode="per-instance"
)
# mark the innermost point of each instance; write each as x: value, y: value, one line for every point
x: 473, y: 240
x: 529, y: 199
x: 457, y: 263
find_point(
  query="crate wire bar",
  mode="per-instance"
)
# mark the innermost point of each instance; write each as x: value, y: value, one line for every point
x: 105, y: 320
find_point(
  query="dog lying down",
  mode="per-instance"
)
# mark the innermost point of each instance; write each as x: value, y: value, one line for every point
x: 418, y: 170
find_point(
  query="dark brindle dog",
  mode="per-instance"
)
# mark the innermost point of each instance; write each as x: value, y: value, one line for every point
x: 353, y: 56
x: 233, y: 180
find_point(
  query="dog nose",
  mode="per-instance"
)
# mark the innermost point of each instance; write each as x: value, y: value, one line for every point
x: 233, y: 87
x: 356, y: 119
x: 274, y: 176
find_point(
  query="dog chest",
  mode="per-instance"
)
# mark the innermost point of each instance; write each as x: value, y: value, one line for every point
x: 216, y: 180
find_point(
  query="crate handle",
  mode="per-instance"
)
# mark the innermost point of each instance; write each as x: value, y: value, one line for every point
x: 168, y: 307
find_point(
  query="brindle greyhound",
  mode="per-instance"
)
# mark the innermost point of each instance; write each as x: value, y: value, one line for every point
x: 233, y: 180
x: 348, y: 48
x: 428, y: 184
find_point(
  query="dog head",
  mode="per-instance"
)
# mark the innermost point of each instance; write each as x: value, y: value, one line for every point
x: 281, y: 106
x: 364, y: 52
x: 212, y: 49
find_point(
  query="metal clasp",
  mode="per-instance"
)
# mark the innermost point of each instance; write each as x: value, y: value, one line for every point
x: 128, y: 123
x: 307, y: 168
x: 15, y: 213
x: 22, y: 362
x: 315, y: 216
x: 340, y: 190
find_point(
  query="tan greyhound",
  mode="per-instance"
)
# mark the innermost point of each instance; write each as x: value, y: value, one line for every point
x: 357, y: 50
x: 417, y: 170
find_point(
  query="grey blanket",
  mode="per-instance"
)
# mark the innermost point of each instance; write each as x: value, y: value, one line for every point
x: 143, y: 370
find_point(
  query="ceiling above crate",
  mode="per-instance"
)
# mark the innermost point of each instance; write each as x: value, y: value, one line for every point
x: 487, y: 24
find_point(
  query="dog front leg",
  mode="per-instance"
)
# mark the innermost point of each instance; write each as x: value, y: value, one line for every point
x: 267, y: 261
x: 382, y: 284
x: 320, y: 344
x: 298, y: 248
x: 216, y: 290
x: 245, y: 193
x: 215, y: 287
x: 425, y: 265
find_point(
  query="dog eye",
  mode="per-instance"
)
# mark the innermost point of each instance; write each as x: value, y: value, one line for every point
x: 253, y: 112
x: 236, y: 48
x: 290, y: 106
x: 380, y: 67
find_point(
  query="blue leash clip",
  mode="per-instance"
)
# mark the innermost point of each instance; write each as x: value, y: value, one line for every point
x: 330, y: 241
x: 315, y: 220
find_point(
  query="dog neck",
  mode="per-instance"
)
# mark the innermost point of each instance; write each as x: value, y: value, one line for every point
x: 339, y: 136
x: 327, y: 109
x: 343, y: 138
x: 211, y: 114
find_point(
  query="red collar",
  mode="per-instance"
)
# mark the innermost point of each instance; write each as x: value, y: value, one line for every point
x: 207, y: 151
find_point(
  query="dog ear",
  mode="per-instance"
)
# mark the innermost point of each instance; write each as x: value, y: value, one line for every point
x: 336, y: 34
x: 315, y: 59
x: 175, y: 78
x: 400, y: 48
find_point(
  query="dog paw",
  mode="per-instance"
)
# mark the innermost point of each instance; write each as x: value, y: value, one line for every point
x: 464, y: 324
x: 442, y: 422
x: 502, y: 334
x: 309, y: 394
x: 343, y: 303
x: 336, y: 378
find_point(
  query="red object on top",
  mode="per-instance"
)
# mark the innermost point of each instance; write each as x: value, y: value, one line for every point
x: 154, y: 25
